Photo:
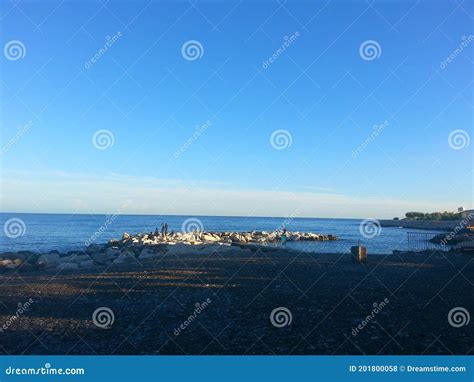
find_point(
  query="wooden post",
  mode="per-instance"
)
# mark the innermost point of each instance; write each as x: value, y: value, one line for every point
x: 360, y: 253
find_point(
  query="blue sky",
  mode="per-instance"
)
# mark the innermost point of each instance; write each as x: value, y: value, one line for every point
x: 320, y: 89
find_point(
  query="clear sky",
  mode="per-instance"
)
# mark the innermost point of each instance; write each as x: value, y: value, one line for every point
x: 237, y: 107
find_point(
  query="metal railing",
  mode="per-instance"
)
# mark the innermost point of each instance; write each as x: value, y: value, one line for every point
x: 420, y: 241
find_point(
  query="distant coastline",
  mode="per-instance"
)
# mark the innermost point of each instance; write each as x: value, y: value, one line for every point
x: 437, y: 225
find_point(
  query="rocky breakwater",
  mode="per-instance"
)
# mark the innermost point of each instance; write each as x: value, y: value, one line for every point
x: 194, y: 238
x: 138, y: 249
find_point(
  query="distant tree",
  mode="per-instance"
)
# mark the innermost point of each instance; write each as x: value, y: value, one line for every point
x: 396, y: 218
x: 449, y: 216
x: 434, y: 216
x: 415, y: 215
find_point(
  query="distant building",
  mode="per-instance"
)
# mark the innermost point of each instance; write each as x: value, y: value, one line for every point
x: 460, y: 209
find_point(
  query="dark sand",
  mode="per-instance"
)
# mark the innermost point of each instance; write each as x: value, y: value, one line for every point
x: 328, y: 296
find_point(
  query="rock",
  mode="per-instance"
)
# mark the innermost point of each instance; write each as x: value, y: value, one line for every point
x: 6, y: 263
x: 93, y: 248
x: 48, y: 260
x: 125, y: 236
x: 105, y: 258
x: 68, y: 266
x: 208, y: 237
x: 124, y: 257
x: 147, y: 254
x: 86, y: 264
x: 82, y: 258
x: 113, y: 251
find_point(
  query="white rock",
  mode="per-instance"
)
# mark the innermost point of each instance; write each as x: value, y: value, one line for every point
x: 6, y: 263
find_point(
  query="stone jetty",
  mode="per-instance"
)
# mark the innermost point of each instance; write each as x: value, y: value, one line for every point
x: 141, y: 247
x: 200, y: 237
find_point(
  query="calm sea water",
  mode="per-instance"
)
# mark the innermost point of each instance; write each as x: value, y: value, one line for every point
x: 45, y: 232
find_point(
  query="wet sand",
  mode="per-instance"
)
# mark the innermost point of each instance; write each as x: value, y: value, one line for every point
x: 328, y: 297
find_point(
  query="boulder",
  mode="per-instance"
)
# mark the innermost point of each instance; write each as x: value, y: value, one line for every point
x: 113, y: 251
x: 208, y: 237
x: 147, y: 254
x: 86, y: 264
x: 68, y: 266
x: 124, y: 257
x: 6, y: 263
x: 93, y: 248
x: 48, y: 260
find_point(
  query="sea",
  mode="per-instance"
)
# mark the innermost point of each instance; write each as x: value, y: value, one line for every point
x: 64, y: 232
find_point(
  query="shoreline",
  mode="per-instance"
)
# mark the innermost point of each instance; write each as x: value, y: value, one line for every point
x: 421, y: 224
x: 143, y: 246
